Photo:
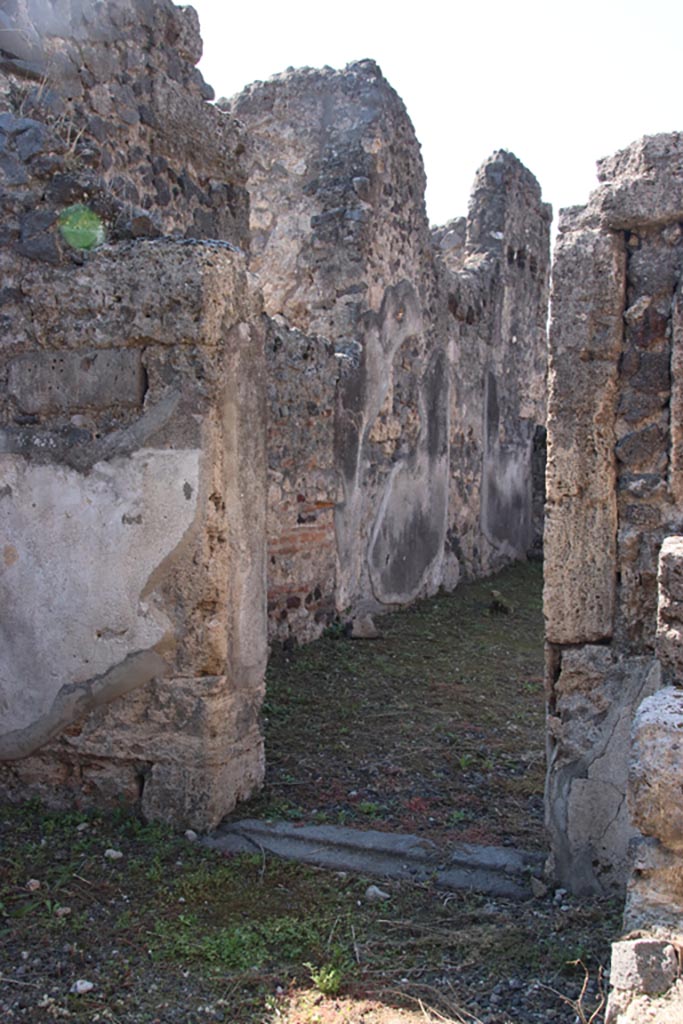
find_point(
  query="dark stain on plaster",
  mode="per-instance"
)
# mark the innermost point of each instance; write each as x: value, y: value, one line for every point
x: 506, y: 510
x: 400, y: 557
x: 436, y: 403
x: 492, y: 409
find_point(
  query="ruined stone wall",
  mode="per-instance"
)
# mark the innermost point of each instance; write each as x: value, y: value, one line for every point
x: 613, y: 491
x: 133, y: 428
x: 645, y: 973
x: 497, y: 267
x: 396, y: 488
x: 341, y: 246
x: 132, y: 494
x: 110, y: 109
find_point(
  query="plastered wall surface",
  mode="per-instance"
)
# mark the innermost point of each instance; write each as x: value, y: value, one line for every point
x: 117, y: 524
x: 417, y: 382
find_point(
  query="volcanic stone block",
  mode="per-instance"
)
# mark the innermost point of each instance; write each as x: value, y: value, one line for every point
x: 581, y: 509
x: 644, y: 981
x: 644, y: 965
x: 642, y: 184
x: 656, y: 773
x: 69, y: 381
x: 669, y: 644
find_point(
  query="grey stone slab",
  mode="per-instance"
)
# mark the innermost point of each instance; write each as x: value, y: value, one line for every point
x: 496, y: 870
x: 44, y: 382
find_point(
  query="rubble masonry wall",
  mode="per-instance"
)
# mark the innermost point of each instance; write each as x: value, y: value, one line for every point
x: 614, y: 492
x: 132, y: 451
x: 406, y: 384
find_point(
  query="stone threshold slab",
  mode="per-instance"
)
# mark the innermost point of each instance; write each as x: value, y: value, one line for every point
x: 497, y: 870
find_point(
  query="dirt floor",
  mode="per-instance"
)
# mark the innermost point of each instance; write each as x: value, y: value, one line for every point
x: 436, y: 728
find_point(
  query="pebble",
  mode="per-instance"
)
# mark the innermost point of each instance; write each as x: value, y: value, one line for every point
x: 538, y: 888
x: 33, y: 885
x: 191, y: 835
x: 363, y: 628
x: 374, y: 894
x: 113, y: 854
x: 81, y: 986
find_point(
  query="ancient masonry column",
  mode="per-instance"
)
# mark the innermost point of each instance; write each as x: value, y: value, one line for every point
x: 613, y: 493
x: 133, y: 581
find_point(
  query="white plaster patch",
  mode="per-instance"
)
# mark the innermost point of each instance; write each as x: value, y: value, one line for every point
x: 76, y: 553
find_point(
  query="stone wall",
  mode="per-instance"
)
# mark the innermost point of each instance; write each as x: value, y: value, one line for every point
x: 405, y: 399
x: 613, y: 491
x: 497, y: 264
x: 646, y: 961
x: 145, y: 232
x: 340, y: 243
x: 132, y: 494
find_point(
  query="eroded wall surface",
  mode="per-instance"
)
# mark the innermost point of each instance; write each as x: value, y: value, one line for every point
x: 497, y: 265
x: 645, y: 970
x: 132, y: 456
x: 412, y: 413
x: 149, y: 360
x: 613, y: 492
x: 341, y: 246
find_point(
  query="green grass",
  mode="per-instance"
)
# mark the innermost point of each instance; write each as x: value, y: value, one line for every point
x: 449, y: 699
x: 437, y: 724
x: 172, y: 926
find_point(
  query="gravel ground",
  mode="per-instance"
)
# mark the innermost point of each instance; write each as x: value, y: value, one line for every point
x: 434, y: 728
x: 169, y: 933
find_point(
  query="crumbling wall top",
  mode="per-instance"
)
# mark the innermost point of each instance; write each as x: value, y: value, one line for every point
x: 102, y: 105
x: 504, y: 192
